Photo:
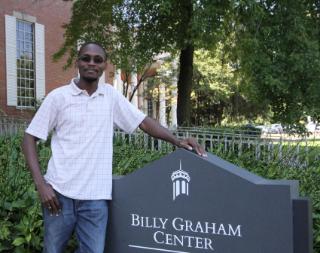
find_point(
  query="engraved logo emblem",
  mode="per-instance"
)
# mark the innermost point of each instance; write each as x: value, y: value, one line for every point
x: 180, y: 182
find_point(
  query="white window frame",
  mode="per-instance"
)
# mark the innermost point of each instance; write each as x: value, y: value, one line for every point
x: 11, y: 55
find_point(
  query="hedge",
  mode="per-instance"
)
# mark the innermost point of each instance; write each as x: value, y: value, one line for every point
x: 20, y: 210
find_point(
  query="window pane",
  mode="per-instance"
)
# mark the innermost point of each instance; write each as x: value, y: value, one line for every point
x: 22, y: 73
x: 22, y: 93
x: 25, y: 64
x: 28, y: 47
x: 27, y: 26
x: 20, y: 36
x: 31, y: 84
x: 29, y: 55
x: 20, y: 26
x: 28, y: 36
x: 20, y: 45
x: 22, y: 83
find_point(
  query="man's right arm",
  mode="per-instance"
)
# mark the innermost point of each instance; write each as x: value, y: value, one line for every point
x: 45, y: 190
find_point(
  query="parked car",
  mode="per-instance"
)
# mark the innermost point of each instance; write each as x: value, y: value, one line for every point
x: 263, y: 128
x: 275, y: 129
x: 271, y: 129
x: 313, y: 127
x: 251, y: 129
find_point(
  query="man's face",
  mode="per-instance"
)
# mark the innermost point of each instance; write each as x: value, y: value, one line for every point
x: 91, y: 63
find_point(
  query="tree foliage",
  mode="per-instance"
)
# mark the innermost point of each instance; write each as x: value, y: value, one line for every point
x: 214, y: 84
x: 109, y: 23
x: 272, y: 44
x: 182, y: 26
x: 134, y: 32
x: 217, y: 94
x: 276, y: 47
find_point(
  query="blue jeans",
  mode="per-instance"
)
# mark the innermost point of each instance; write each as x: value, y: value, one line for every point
x: 87, y: 218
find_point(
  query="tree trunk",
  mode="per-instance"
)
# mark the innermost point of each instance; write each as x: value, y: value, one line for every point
x: 185, y: 86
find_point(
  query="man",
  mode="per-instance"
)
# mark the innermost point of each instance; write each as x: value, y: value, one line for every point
x: 78, y: 181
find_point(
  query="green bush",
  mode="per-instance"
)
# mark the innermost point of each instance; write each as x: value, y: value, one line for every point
x: 21, y: 224
x: 127, y: 157
x: 20, y: 211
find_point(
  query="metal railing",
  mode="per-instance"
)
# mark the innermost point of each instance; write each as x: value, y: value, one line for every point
x: 295, y: 151
x: 11, y: 126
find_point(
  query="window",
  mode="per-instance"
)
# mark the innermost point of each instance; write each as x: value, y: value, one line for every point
x: 25, y: 64
x: 25, y: 60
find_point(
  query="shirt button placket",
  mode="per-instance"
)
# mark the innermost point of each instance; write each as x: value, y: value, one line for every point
x: 87, y: 103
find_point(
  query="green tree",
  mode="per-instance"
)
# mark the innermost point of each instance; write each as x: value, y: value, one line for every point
x: 107, y: 22
x: 135, y: 31
x: 217, y: 93
x: 178, y: 26
x: 214, y: 84
x: 273, y: 45
x: 276, y: 47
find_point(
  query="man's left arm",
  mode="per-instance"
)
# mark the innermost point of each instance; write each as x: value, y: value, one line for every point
x: 154, y: 129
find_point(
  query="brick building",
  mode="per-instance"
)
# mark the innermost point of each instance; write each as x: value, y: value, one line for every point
x: 30, y: 33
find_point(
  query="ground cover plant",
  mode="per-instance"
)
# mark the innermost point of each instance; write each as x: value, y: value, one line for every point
x: 20, y: 210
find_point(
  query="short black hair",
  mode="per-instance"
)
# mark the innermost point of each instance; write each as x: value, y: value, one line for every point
x: 94, y: 43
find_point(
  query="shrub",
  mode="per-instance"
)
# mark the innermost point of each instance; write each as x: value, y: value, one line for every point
x: 20, y: 213
x: 20, y: 210
x: 21, y: 224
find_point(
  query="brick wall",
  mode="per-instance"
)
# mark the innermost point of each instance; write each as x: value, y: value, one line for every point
x: 52, y: 14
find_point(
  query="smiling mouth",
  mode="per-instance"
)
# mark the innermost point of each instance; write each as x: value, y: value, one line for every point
x: 91, y: 71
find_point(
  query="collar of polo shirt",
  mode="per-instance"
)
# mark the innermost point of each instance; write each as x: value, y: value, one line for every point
x: 77, y: 91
